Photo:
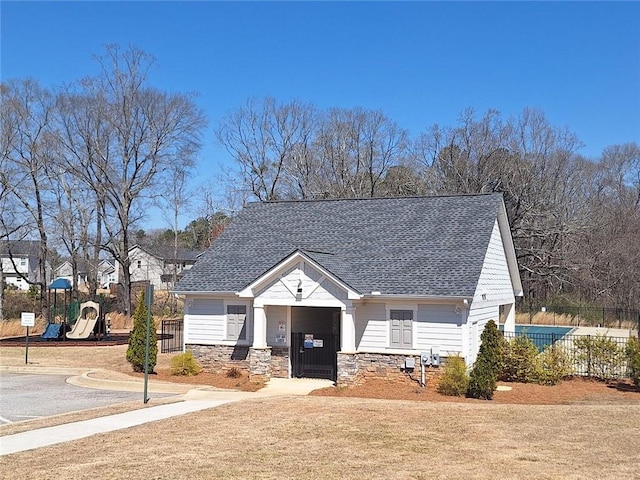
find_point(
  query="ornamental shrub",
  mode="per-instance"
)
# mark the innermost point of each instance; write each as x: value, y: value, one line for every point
x: 601, y: 355
x: 138, y: 337
x: 454, y: 380
x: 185, y: 364
x: 519, y: 360
x: 552, y: 365
x: 633, y: 359
x: 484, y: 375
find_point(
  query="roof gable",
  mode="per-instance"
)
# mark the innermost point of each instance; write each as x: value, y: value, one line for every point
x: 430, y: 246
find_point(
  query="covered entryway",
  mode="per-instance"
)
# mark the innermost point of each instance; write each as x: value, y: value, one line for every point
x: 315, y: 341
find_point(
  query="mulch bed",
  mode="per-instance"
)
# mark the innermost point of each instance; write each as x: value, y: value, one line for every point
x: 37, y: 341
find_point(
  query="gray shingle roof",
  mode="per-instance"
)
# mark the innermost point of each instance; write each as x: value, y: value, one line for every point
x: 431, y: 246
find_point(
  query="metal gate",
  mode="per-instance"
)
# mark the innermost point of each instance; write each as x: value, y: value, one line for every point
x: 171, y: 336
x: 314, y: 355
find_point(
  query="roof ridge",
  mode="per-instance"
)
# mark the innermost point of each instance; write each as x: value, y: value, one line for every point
x: 355, y: 199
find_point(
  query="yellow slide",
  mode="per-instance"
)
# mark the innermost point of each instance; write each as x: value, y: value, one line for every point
x: 84, y: 326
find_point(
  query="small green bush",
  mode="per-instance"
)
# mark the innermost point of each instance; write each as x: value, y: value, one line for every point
x: 454, y: 381
x: 483, y: 379
x: 185, y: 364
x: 519, y: 360
x: 633, y: 359
x: 552, y: 365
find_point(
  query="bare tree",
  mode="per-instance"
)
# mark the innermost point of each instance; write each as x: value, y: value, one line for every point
x: 27, y: 141
x: 131, y: 139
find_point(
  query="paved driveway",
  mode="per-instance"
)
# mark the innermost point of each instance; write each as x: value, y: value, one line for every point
x: 27, y: 396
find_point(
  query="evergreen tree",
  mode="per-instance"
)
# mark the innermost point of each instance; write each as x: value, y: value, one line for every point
x: 137, y: 339
x: 484, y: 376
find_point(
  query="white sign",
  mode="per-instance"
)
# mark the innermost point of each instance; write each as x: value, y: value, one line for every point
x: 318, y: 343
x: 28, y: 319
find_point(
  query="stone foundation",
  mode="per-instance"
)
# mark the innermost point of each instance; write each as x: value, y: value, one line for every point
x: 264, y: 363
x: 280, y: 362
x: 260, y: 364
x: 220, y: 358
x: 356, y: 368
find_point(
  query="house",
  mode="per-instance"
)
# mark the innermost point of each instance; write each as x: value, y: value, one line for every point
x: 157, y: 265
x: 346, y: 289
x: 106, y: 274
x: 20, y: 259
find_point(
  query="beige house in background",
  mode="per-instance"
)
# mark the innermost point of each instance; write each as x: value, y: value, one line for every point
x: 157, y: 265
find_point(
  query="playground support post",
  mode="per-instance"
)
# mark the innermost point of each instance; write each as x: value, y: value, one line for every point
x: 148, y: 297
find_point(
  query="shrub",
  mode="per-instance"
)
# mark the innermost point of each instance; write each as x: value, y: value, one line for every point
x: 484, y: 376
x: 185, y: 364
x: 137, y: 339
x: 602, y: 356
x: 454, y: 380
x: 234, y: 372
x: 519, y: 360
x: 633, y: 359
x: 552, y: 365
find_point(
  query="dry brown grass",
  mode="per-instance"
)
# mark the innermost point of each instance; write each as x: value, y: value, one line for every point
x: 13, y: 328
x: 336, y: 438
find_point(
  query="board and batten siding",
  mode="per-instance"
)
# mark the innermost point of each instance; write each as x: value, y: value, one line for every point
x: 372, y: 326
x: 315, y: 286
x: 439, y: 326
x: 277, y: 315
x: 477, y: 320
x: 494, y: 281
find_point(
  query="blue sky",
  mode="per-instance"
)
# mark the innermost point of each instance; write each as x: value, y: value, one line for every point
x: 420, y: 62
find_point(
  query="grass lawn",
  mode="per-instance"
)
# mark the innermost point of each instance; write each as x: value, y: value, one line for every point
x: 321, y: 437
x: 346, y: 438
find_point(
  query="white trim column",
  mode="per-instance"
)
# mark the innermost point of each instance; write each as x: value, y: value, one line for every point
x: 259, y: 327
x: 348, y: 329
x: 510, y: 318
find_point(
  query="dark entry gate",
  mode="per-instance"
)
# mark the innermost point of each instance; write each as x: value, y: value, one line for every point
x: 171, y: 336
x: 314, y: 357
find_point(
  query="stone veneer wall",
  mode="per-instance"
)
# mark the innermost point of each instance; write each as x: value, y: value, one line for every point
x: 220, y: 358
x: 356, y: 368
x: 260, y: 364
x: 280, y: 362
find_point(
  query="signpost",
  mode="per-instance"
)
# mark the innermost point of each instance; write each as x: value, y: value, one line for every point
x: 27, y: 319
x: 148, y: 298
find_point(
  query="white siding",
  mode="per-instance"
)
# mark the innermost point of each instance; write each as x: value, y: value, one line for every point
x: 494, y: 281
x: 478, y: 318
x: 204, y: 320
x: 315, y: 286
x: 372, y: 326
x: 277, y: 315
x: 439, y: 326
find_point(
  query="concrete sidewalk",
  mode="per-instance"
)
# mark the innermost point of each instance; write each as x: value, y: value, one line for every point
x: 194, y: 398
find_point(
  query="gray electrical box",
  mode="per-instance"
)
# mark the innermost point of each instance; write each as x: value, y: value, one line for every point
x: 435, y: 356
x: 409, y: 362
x: 425, y: 358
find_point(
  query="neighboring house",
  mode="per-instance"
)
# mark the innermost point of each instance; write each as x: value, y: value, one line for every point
x: 345, y: 289
x: 158, y: 265
x: 106, y: 275
x: 20, y: 257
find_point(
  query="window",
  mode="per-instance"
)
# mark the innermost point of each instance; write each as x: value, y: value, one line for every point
x: 236, y: 322
x: 139, y: 263
x: 401, y: 328
x: 23, y: 262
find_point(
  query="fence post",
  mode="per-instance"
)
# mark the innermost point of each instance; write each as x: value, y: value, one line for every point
x: 588, y: 355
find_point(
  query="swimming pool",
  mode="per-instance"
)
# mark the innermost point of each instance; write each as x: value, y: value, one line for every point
x: 541, y: 335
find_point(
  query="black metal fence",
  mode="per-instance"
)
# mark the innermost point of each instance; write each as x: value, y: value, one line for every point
x: 595, y: 356
x: 171, y: 338
x: 584, y: 316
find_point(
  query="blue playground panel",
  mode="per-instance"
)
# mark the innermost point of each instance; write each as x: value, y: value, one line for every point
x: 52, y: 331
